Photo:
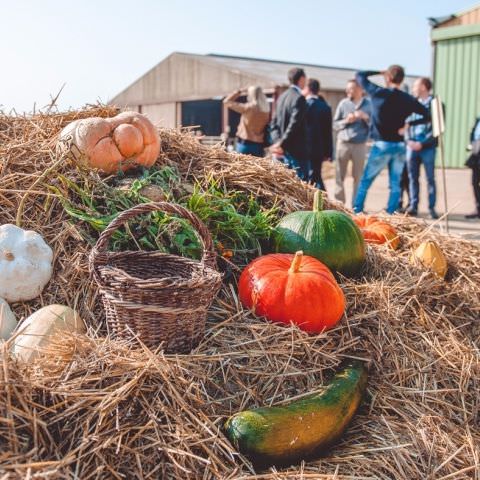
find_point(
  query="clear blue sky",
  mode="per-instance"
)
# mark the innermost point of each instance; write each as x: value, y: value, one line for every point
x: 99, y: 47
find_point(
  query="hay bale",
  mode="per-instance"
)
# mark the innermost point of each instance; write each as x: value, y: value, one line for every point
x: 120, y: 411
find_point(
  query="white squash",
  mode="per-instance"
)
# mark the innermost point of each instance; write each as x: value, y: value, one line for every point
x: 8, y: 322
x: 25, y: 263
x: 35, y: 334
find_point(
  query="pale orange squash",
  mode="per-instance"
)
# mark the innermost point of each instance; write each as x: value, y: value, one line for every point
x: 377, y: 231
x: 111, y: 144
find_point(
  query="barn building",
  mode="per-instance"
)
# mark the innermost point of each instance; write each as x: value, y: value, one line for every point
x: 456, y: 58
x: 187, y: 89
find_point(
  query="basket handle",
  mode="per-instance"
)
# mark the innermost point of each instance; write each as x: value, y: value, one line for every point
x: 209, y: 254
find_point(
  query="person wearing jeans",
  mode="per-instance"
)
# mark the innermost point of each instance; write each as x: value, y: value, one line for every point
x: 421, y: 146
x: 382, y: 154
x: 390, y: 108
x: 255, y: 115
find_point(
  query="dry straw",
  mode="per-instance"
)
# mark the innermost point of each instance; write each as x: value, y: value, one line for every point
x: 121, y: 411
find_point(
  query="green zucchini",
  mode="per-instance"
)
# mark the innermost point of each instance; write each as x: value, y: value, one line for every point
x: 282, y: 434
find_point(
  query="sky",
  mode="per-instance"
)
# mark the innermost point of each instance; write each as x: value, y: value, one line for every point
x: 97, y: 48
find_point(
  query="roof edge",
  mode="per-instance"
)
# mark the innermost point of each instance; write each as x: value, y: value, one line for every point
x: 285, y: 62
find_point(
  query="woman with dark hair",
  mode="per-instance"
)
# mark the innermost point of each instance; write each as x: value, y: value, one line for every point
x: 255, y: 115
x: 474, y: 163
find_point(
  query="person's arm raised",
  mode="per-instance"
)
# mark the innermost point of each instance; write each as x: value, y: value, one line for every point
x: 362, y: 79
x: 230, y: 102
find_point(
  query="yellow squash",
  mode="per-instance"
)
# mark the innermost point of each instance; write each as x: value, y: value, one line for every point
x: 429, y: 255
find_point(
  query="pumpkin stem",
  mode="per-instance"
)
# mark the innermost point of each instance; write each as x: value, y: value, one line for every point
x: 317, y: 201
x: 9, y: 256
x: 297, y: 260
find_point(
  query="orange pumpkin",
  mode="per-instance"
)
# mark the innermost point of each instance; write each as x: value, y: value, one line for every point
x: 377, y: 231
x: 292, y: 288
x: 111, y: 144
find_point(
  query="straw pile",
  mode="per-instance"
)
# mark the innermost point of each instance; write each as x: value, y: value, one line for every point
x: 120, y: 411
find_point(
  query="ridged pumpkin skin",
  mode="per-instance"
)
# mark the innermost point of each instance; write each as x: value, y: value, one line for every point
x: 289, y: 288
x: 330, y: 236
x: 290, y: 433
x: 377, y: 231
x: 429, y: 255
x: 111, y: 144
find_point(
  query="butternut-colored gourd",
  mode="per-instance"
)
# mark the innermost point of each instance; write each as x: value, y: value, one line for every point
x: 429, y: 255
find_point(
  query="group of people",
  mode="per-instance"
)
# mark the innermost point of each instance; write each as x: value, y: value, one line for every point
x: 300, y: 133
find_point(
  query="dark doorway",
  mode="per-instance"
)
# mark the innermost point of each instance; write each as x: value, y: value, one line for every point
x: 205, y: 113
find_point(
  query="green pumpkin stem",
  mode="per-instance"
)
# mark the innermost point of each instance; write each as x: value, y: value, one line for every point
x: 317, y: 201
x: 297, y: 260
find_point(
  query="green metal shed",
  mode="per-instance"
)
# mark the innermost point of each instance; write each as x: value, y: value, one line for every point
x: 456, y: 74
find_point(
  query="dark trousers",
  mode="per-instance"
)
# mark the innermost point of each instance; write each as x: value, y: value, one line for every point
x: 316, y: 174
x: 476, y: 185
x: 299, y: 165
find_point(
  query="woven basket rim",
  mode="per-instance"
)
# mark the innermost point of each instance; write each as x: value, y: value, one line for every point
x: 205, y: 275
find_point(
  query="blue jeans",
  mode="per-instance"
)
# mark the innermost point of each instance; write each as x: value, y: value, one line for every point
x: 414, y: 159
x: 382, y: 154
x: 301, y: 167
x: 250, y: 148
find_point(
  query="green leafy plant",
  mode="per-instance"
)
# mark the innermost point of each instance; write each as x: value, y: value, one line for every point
x: 239, y: 225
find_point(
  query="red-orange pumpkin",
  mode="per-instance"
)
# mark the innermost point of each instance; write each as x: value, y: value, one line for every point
x: 377, y: 231
x: 111, y: 144
x: 292, y: 288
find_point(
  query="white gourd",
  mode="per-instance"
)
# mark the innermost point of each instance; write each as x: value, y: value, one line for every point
x: 35, y: 333
x: 8, y: 322
x: 25, y: 264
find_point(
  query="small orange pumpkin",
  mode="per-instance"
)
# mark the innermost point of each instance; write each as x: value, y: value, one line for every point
x: 377, y: 231
x: 292, y: 288
x: 111, y: 144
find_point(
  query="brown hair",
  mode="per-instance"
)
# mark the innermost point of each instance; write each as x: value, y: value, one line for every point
x: 313, y: 85
x: 295, y: 74
x: 397, y: 74
x: 426, y: 82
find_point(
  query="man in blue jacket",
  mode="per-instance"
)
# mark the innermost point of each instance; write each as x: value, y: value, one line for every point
x: 318, y: 127
x: 390, y: 108
x: 421, y: 146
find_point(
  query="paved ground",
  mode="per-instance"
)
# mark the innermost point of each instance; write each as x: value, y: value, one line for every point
x: 459, y: 199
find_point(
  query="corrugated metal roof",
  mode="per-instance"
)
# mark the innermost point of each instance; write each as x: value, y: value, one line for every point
x: 275, y: 71
x: 157, y: 85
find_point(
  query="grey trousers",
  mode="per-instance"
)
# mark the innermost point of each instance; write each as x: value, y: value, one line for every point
x: 346, y: 151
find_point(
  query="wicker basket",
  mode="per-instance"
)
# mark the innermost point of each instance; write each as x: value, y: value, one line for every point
x: 157, y: 297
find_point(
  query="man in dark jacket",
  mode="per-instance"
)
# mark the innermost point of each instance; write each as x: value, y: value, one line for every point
x: 288, y: 125
x: 318, y: 126
x: 390, y: 108
x: 474, y: 163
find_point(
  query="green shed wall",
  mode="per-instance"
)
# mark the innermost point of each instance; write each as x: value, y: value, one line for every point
x: 457, y: 81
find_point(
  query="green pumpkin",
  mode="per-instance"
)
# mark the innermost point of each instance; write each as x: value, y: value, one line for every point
x: 330, y: 236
